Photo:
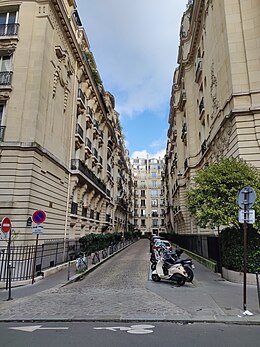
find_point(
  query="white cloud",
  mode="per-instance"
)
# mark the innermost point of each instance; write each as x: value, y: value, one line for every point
x: 145, y: 154
x: 135, y: 46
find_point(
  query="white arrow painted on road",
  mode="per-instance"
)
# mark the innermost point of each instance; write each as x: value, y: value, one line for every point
x: 32, y: 328
x: 133, y: 329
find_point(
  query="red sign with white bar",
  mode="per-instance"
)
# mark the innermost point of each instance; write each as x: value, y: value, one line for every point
x: 6, y: 225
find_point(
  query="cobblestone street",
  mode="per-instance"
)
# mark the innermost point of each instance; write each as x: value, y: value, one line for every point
x: 116, y: 288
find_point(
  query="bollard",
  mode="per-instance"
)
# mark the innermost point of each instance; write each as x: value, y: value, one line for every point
x: 69, y: 271
x: 258, y: 287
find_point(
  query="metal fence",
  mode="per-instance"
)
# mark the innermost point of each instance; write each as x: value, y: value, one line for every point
x: 49, y: 254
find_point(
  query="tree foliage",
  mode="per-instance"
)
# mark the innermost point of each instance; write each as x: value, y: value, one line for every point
x: 213, y: 199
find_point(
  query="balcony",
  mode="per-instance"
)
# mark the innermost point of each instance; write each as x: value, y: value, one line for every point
x: 201, y: 106
x: 100, y: 163
x: 89, y: 116
x: 76, y: 165
x: 5, y: 78
x: 184, y: 132
x: 183, y: 99
x: 198, y: 70
x: 95, y: 129
x: 9, y: 29
x: 100, y: 138
x: 109, y: 148
x: 79, y: 136
x: 94, y: 156
x: 88, y: 148
x: 2, y: 133
x: 81, y: 98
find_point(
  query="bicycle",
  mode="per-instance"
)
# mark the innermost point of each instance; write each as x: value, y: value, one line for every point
x: 81, y: 263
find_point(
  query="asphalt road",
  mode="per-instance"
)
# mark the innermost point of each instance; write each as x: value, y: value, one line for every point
x: 114, y: 334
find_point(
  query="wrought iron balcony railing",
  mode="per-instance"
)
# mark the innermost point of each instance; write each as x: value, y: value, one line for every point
x: 9, y: 29
x: 2, y: 132
x: 6, y: 78
x: 76, y: 164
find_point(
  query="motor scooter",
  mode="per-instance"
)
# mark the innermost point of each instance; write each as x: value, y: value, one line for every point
x: 174, y: 258
x: 171, y: 272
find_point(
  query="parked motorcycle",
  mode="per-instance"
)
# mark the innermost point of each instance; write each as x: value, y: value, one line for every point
x: 166, y: 271
x: 174, y: 258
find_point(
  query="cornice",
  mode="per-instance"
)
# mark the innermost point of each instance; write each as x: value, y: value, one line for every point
x: 64, y: 20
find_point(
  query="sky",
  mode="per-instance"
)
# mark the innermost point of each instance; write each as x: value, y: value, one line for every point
x: 135, y: 46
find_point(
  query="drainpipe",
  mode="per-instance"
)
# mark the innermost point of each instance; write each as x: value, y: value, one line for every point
x: 70, y: 156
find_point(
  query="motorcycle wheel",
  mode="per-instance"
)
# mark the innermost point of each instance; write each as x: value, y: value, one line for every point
x: 181, y: 281
x: 153, y: 266
x: 189, y: 273
x: 155, y: 278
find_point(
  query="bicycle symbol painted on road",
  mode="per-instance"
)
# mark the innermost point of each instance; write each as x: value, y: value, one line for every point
x: 133, y: 329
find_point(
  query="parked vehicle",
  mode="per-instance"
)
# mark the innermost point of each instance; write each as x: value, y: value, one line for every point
x: 162, y: 243
x: 153, y: 239
x: 166, y: 271
x: 174, y: 258
x: 81, y: 262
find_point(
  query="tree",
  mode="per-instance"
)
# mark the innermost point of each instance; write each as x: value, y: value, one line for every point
x: 213, y: 199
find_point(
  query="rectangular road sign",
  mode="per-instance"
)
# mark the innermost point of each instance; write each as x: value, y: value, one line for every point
x: 37, y: 229
x: 250, y: 216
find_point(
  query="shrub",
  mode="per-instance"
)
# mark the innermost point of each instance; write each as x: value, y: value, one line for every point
x: 232, y: 241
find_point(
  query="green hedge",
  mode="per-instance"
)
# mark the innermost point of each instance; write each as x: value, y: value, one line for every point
x: 232, y: 241
x: 96, y: 242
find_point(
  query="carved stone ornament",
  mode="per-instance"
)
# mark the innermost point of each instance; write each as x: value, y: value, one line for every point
x: 213, y: 92
x: 208, y: 3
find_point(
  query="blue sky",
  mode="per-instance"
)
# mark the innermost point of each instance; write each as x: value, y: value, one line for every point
x: 135, y: 45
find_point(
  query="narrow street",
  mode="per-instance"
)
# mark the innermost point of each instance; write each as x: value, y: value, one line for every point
x: 121, y: 289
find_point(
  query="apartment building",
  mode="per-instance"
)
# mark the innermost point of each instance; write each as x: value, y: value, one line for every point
x: 149, y: 213
x: 61, y: 142
x: 215, y: 100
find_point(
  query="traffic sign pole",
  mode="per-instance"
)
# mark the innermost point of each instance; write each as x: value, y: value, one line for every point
x: 245, y: 247
x: 9, y: 267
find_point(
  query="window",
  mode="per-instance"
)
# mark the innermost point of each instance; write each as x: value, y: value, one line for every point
x: 5, y: 70
x: 143, y: 213
x: 142, y: 202
x: 142, y: 222
x: 154, y: 193
x: 153, y: 184
x: 154, y: 213
x: 153, y: 174
x: 8, y: 23
x: 154, y: 203
x: 155, y: 222
x: 143, y: 193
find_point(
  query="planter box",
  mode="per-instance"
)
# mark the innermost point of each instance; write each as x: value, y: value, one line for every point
x: 238, y: 277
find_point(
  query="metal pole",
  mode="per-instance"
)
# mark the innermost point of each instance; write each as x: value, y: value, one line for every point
x: 69, y: 270
x: 258, y: 287
x: 245, y: 248
x: 9, y: 267
x: 34, y: 260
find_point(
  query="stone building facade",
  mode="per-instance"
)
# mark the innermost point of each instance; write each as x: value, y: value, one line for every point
x: 61, y: 144
x: 149, y: 213
x: 215, y: 101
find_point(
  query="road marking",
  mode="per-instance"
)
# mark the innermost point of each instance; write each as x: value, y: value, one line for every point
x: 32, y: 328
x: 133, y: 329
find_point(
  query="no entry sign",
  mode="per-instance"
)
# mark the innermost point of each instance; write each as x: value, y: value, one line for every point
x: 6, y: 225
x: 39, y: 216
